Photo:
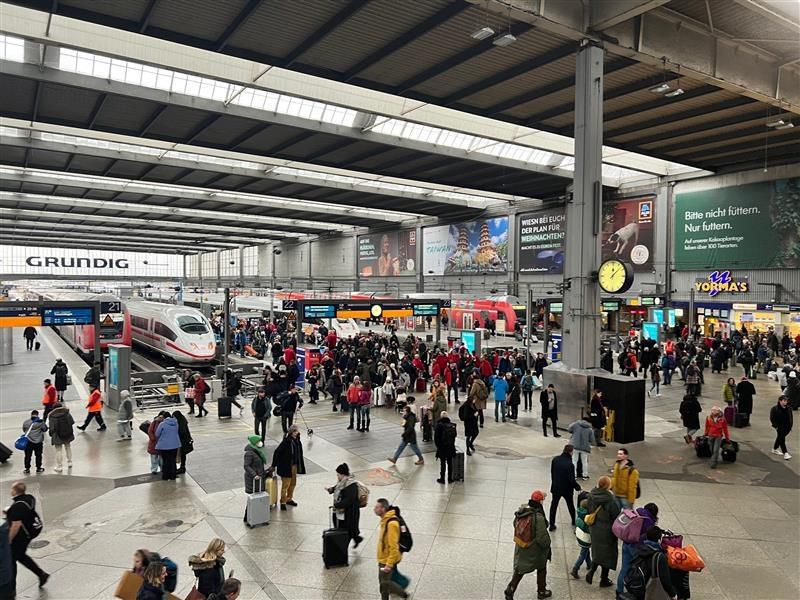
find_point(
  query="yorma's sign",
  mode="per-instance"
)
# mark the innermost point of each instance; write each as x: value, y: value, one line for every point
x: 721, y: 282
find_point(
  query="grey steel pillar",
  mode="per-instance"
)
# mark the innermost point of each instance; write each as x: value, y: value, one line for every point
x: 7, y: 345
x: 581, y: 316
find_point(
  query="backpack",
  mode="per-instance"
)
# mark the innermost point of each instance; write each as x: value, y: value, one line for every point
x: 636, y: 578
x: 64, y: 429
x: 462, y: 412
x: 523, y: 530
x: 483, y: 391
x: 363, y: 495
x: 280, y: 400
x: 449, y: 434
x: 171, y: 581
x: 406, y: 541
x: 33, y: 525
x: 628, y: 526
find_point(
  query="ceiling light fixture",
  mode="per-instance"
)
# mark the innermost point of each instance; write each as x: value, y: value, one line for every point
x: 674, y: 93
x: 660, y: 89
x: 777, y: 123
x: 504, y: 40
x: 482, y: 33
x: 788, y: 125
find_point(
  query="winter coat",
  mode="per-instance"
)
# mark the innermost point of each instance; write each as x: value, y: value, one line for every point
x: 125, y: 412
x: 692, y: 375
x: 151, y: 436
x: 61, y: 426
x: 150, y: 592
x: 597, y: 413
x: 167, y: 436
x: 444, y: 449
x: 562, y: 475
x: 409, y: 429
x: 744, y: 393
x: 253, y: 467
x: 210, y: 574
x: 348, y: 502
x: 185, y: 436
x: 389, y: 539
x: 469, y: 415
x: 535, y: 556
x: 793, y: 391
x: 439, y: 403
x: 781, y: 419
x: 60, y: 371
x: 718, y: 428
x: 37, y: 429
x: 690, y: 412
x: 479, y: 394
x: 581, y: 435
x: 646, y: 551
x: 624, y: 481
x: 513, y: 394
x: 289, y: 452
x: 544, y: 401
x: 728, y: 394
x: 605, y: 549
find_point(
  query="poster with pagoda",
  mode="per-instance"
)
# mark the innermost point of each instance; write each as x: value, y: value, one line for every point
x: 473, y: 247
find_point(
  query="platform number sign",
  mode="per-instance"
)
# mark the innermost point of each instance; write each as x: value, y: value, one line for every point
x: 110, y: 307
x: 289, y: 305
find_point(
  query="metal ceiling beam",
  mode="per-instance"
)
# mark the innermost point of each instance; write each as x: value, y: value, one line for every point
x: 152, y: 119
x: 288, y: 143
x: 36, y: 99
x: 755, y: 158
x: 700, y: 127
x: 249, y: 134
x: 756, y: 146
x: 608, y: 13
x: 146, y: 15
x: 234, y: 25
x: 334, y: 147
x: 96, y: 111
x: 326, y: 29
x: 208, y: 122
x: 771, y: 15
x: 449, y: 11
x: 516, y: 29
x: 243, y: 229
x: 630, y: 111
x: 65, y: 241
x: 522, y: 68
x: 759, y: 129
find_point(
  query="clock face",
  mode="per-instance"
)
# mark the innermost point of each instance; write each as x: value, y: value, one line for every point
x: 614, y: 276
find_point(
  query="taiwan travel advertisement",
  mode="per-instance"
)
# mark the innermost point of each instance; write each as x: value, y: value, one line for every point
x: 628, y: 231
x: 387, y: 254
x: 542, y: 241
x: 474, y: 247
x: 752, y: 226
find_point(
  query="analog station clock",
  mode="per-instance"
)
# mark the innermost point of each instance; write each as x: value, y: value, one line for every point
x: 615, y: 276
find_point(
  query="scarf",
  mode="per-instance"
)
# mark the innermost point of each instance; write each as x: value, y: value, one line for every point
x: 339, y: 488
x: 253, y: 441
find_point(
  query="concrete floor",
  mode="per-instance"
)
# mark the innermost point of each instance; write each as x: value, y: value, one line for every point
x: 743, y: 518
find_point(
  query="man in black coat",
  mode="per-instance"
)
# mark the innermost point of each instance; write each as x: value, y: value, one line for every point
x: 445, y: 440
x: 549, y: 401
x: 562, y: 484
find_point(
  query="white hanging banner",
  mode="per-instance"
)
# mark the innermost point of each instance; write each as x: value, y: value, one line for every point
x: 33, y: 260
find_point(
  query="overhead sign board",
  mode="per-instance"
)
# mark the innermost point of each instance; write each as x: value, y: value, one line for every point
x: 14, y: 314
x: 718, y: 282
x: 352, y: 309
x: 67, y: 316
x: 323, y: 311
x: 426, y: 310
x: 55, y: 261
x: 611, y: 305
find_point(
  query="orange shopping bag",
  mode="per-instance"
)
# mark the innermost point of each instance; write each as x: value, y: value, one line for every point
x: 128, y: 586
x: 684, y: 559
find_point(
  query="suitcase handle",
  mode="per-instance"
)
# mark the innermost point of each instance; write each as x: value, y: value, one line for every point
x: 255, y: 480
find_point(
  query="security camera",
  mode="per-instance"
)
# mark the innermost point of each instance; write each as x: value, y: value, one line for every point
x: 233, y: 262
x: 276, y: 251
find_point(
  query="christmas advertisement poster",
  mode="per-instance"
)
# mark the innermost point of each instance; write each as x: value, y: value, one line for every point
x: 474, y: 247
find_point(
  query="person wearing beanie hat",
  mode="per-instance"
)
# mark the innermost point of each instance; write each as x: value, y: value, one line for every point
x: 532, y: 547
x: 255, y: 461
x: 346, y: 503
x: 124, y: 416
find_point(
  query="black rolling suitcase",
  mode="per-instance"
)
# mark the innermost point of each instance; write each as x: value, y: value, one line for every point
x: 729, y: 451
x: 334, y: 545
x: 37, y: 346
x: 702, y: 447
x: 458, y: 467
x: 224, y: 407
x: 741, y: 420
x: 5, y: 453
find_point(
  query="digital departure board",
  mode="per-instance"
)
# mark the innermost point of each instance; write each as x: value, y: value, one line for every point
x: 322, y: 311
x: 67, y: 316
x: 426, y: 310
x: 19, y: 314
x: 375, y: 309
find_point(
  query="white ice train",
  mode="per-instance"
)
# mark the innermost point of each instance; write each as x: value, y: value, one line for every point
x: 181, y: 333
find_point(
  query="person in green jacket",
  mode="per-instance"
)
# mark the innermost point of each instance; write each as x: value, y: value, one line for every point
x: 534, y: 557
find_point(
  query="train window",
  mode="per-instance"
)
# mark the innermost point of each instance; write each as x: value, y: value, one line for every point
x: 139, y: 322
x: 164, y: 331
x: 192, y: 324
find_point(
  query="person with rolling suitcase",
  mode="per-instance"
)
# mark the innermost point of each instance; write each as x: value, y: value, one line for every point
x: 256, y: 511
x: 445, y: 439
x: 716, y: 431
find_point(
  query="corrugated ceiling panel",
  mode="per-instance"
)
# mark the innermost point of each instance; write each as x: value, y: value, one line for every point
x: 776, y: 140
x: 128, y: 114
x: 131, y: 10
x: 21, y: 101
x: 223, y: 131
x: 177, y: 123
x: 206, y: 20
x: 65, y: 103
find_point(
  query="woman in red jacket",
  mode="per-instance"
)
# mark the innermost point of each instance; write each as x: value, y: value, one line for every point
x: 716, y: 431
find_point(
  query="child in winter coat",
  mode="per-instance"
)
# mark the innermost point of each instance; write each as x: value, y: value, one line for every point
x: 582, y: 535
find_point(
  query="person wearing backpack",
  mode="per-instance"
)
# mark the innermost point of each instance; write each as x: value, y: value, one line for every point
x: 602, y: 510
x: 650, y: 561
x: 444, y: 437
x: 582, y: 535
x: 34, y: 429
x: 532, y: 546
x: 649, y: 515
x: 390, y: 548
x: 24, y: 525
x: 347, y: 503
x: 526, y: 384
x: 60, y: 371
x: 625, y: 480
x: 61, y: 434
x: 479, y: 394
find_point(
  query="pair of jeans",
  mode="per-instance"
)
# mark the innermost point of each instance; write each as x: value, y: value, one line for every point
x: 60, y: 455
x: 568, y: 498
x: 513, y: 411
x: 454, y: 389
x: 387, y: 585
x: 169, y: 467
x: 544, y: 425
x: 365, y: 418
x: 716, y: 447
x: 32, y: 449
x: 627, y: 558
x: 287, y: 420
x: 287, y: 486
x: 584, y: 458
x: 155, y: 463
x: 528, y: 396
x: 29, y: 343
x: 499, y: 410
x: 656, y: 387
x: 585, y: 556
x: 402, y: 447
x: 260, y: 426
x: 124, y: 429
x: 470, y: 439
x: 622, y: 502
x: 780, y: 442
x: 355, y: 415
x: 667, y: 376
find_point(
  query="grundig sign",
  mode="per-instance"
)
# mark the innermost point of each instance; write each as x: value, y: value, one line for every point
x: 77, y: 263
x: 721, y: 281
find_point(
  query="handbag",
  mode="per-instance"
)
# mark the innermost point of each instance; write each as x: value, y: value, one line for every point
x: 22, y: 441
x: 654, y: 590
x: 685, y: 559
x: 400, y: 579
x: 194, y: 594
x: 671, y: 539
x: 69, y: 379
x: 590, y: 518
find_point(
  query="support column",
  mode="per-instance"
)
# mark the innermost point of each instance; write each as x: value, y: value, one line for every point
x: 581, y: 295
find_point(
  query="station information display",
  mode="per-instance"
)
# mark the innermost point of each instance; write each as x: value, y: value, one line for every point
x: 67, y: 316
x: 25, y: 314
x: 19, y: 314
x: 369, y: 310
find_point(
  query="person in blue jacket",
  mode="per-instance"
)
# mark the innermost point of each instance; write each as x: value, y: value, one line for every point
x: 168, y: 441
x: 500, y: 387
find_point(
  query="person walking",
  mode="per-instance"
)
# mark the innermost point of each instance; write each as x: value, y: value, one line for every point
x: 62, y: 435
x: 582, y: 535
x: 581, y: 439
x: 598, y: 417
x: 514, y: 392
x: 549, y: 401
x: 717, y: 431
x: 653, y: 560
x: 93, y: 376
x: 22, y: 518
x: 335, y: 387
x: 230, y: 590
x: 168, y: 442
x: 389, y: 554
x: 690, y: 410
x: 287, y: 461
x: 201, y: 388
x: 605, y: 550
x: 60, y: 373
x: 409, y: 437
x: 468, y: 414
x: 444, y: 437
x: 563, y: 484
x: 262, y: 409
x: 526, y: 385
x: 534, y: 556
x: 209, y: 568
x: 255, y: 461
x: 49, y: 399
x: 187, y: 443
x: 29, y: 333
x: 781, y: 419
x: 655, y: 380
x: 34, y: 429
x: 95, y: 410
x: 154, y: 575
x: 346, y: 503
x: 649, y: 515
x: 124, y: 416
x: 625, y: 480
x: 500, y: 390
x: 290, y: 404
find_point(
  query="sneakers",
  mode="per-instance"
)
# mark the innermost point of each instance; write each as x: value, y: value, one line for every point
x: 69, y: 462
x: 81, y: 427
x: 26, y: 471
x: 58, y: 469
x: 776, y: 451
x: 391, y: 460
x: 606, y: 583
x: 786, y: 456
x: 552, y: 528
x: 283, y: 507
x: 357, y: 540
x: 40, y: 469
x: 102, y: 428
x: 544, y: 594
x: 440, y: 481
x: 291, y: 503
x: 420, y: 462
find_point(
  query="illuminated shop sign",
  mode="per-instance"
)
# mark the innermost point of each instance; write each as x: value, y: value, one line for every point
x: 722, y: 281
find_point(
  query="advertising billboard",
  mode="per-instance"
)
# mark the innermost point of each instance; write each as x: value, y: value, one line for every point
x: 30, y: 260
x: 387, y: 254
x: 474, y: 247
x: 752, y: 226
x: 542, y: 241
x: 628, y: 231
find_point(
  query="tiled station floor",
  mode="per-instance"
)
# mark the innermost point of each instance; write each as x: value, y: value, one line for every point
x: 743, y: 517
